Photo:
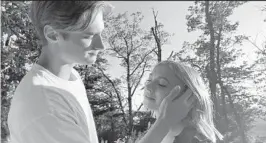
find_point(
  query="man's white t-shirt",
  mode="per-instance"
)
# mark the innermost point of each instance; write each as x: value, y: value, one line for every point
x: 48, y: 109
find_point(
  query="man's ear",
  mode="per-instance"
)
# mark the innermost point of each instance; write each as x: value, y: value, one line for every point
x: 50, y: 34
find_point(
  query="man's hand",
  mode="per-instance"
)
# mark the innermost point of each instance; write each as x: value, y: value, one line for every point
x: 172, y: 109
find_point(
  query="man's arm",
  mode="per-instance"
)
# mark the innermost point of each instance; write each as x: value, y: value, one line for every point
x: 54, y: 128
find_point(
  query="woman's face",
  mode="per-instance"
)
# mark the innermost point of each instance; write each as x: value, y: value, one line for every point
x: 160, y: 83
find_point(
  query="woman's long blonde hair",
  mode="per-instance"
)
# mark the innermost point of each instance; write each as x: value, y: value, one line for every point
x: 202, y: 119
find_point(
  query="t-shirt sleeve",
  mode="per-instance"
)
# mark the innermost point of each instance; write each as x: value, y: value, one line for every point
x: 54, y: 128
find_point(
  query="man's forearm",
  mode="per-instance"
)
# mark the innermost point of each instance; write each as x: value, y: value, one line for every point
x: 156, y: 133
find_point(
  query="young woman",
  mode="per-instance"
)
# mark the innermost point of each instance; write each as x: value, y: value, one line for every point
x: 199, y: 121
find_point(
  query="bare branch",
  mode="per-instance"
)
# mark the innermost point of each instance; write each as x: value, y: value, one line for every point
x: 126, y: 45
x: 142, y: 60
x: 111, y: 43
x: 191, y: 62
x: 155, y: 35
x: 138, y: 109
x: 133, y: 49
x: 143, y: 71
x: 140, y: 106
x: 170, y: 55
x: 154, y: 15
x: 254, y: 44
x: 131, y: 38
x: 117, y: 94
x: 156, y: 51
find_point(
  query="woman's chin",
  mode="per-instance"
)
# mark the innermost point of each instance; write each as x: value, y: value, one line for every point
x: 149, y: 105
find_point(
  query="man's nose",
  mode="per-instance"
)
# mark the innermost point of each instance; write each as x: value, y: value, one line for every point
x: 97, y: 42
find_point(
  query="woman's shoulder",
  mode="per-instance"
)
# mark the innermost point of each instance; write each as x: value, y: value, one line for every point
x: 179, y: 139
x: 188, y: 135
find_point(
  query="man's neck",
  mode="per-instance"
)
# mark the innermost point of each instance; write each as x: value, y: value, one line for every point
x: 55, y: 65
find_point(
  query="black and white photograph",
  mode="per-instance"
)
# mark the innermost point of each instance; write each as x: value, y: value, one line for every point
x: 133, y: 71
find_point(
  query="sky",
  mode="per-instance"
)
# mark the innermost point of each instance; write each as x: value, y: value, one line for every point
x: 172, y: 14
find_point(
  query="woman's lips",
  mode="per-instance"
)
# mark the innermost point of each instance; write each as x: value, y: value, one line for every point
x: 147, y: 94
x: 150, y: 98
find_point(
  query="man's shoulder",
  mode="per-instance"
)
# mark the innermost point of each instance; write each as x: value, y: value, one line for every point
x: 36, y: 96
x: 39, y: 82
x: 36, y: 92
x: 33, y: 80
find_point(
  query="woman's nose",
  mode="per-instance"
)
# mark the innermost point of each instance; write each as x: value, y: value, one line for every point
x: 147, y: 92
x: 149, y: 85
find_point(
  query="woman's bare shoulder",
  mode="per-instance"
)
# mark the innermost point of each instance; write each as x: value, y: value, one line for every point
x: 188, y: 135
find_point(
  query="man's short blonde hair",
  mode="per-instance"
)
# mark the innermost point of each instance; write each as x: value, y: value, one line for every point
x: 65, y: 15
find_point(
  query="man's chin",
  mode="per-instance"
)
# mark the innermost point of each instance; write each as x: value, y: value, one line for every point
x: 85, y: 63
x: 88, y: 62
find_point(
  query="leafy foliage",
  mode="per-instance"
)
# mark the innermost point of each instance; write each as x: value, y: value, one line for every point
x: 19, y: 50
x: 234, y: 113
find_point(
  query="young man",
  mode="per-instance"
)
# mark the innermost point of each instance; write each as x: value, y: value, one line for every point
x: 50, y: 104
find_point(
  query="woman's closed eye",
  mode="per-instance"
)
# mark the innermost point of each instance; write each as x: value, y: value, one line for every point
x: 163, y: 82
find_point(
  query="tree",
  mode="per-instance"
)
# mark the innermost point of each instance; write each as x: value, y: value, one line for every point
x: 101, y: 95
x: 259, y: 75
x: 128, y: 42
x: 160, y: 37
x: 215, y: 55
x: 19, y: 50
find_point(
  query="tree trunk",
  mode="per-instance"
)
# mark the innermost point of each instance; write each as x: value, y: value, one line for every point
x: 224, y: 112
x: 237, y: 117
x: 212, y: 82
x: 159, y: 54
x: 155, y: 32
x: 117, y: 94
x: 212, y: 74
x: 130, y: 125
